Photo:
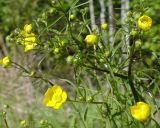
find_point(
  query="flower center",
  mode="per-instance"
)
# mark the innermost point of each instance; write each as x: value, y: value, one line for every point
x: 57, y: 98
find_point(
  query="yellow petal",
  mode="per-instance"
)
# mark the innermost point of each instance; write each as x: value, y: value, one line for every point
x: 47, y: 96
x: 64, y: 96
x: 56, y: 98
x: 91, y: 39
x: 29, y: 46
x: 28, y: 28
x: 141, y: 111
x: 57, y: 89
x: 144, y: 23
x: 104, y: 26
x: 5, y: 61
x: 30, y: 39
x: 50, y: 104
x: 57, y: 105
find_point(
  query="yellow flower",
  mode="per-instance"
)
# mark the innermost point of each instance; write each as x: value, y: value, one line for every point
x: 144, y: 23
x: 91, y: 39
x: 104, y: 26
x: 54, y: 97
x: 25, y: 34
x: 30, y: 39
x: 29, y: 46
x: 5, y: 61
x: 28, y: 28
x: 141, y: 111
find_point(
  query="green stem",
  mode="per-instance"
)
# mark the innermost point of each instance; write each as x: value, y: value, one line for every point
x: 7, y: 126
x: 107, y: 71
x: 69, y: 25
x: 130, y: 77
x: 80, y: 115
x: 32, y: 76
x: 92, y: 102
x: 5, y: 121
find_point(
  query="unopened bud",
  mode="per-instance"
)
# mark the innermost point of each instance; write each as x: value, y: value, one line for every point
x: 56, y: 50
x: 138, y: 43
x: 133, y: 33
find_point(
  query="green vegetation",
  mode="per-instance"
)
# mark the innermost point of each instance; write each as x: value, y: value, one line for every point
x: 105, y: 55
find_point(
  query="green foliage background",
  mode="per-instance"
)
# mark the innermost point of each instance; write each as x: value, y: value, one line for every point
x: 49, y: 19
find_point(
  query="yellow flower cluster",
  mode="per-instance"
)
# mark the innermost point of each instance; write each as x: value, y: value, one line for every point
x: 29, y: 41
x: 5, y: 61
x: 54, y: 97
x: 91, y: 39
x: 144, y: 23
x: 140, y: 111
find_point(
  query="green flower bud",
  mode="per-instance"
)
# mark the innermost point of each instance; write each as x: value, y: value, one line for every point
x: 89, y: 99
x: 56, y: 50
x: 24, y: 123
x: 101, y: 60
x: 6, y: 106
x: 69, y: 59
x: 81, y: 98
x: 75, y: 60
x: 104, y: 26
x: 133, y: 33
x: 126, y: 20
x: 129, y: 14
x: 138, y: 44
x: 106, y: 54
x: 86, y: 9
x: 4, y: 113
x: 43, y: 122
x: 61, y: 43
x: 72, y: 17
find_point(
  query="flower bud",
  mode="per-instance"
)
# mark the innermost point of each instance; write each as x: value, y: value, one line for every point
x: 133, y: 33
x: 89, y: 99
x: 24, y: 123
x: 101, y: 60
x: 104, y: 26
x: 4, y: 114
x: 43, y: 122
x: 69, y: 59
x: 91, y: 39
x: 56, y: 50
x: 138, y: 43
x: 5, y: 62
x: 106, y: 54
x: 28, y: 28
x: 126, y: 20
x: 72, y: 17
x: 129, y: 14
x: 6, y: 106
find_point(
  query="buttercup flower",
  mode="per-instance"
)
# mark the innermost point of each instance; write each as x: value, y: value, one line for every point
x: 5, y: 61
x: 144, y: 23
x: 28, y: 28
x: 29, y: 46
x: 140, y: 111
x: 54, y: 97
x: 104, y: 26
x: 91, y: 39
x: 29, y: 38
